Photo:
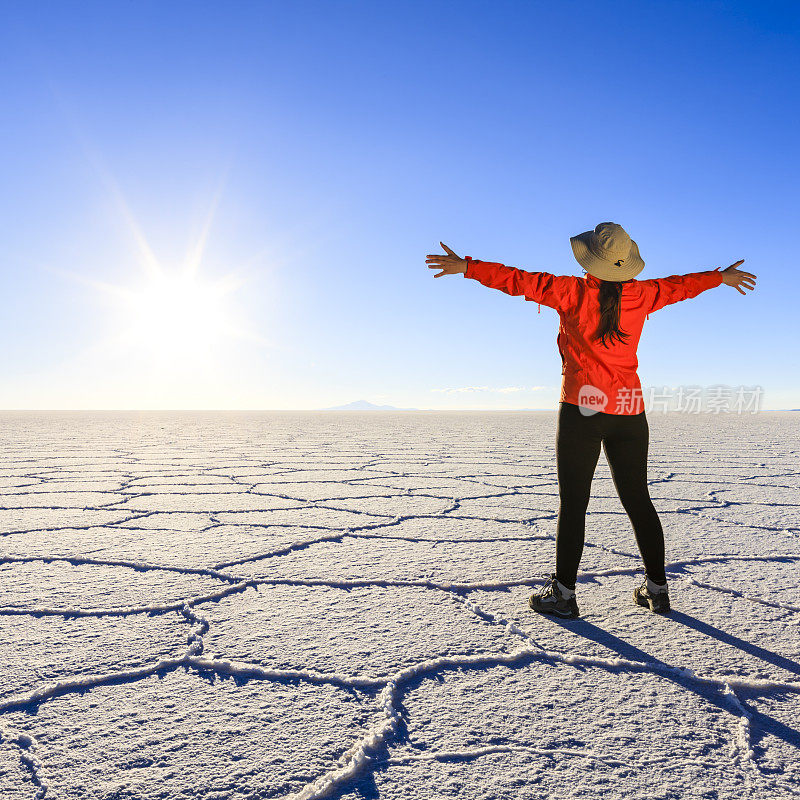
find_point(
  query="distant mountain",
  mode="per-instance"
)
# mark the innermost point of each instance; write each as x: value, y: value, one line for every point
x: 363, y: 405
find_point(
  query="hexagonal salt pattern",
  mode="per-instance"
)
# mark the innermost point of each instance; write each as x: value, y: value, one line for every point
x: 188, y: 735
x: 374, y: 630
x: 528, y: 731
x: 309, y: 605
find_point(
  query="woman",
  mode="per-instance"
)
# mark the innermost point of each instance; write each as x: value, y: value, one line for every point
x: 601, y: 318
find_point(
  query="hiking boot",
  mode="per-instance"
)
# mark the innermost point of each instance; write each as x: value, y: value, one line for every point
x: 651, y: 595
x: 555, y: 598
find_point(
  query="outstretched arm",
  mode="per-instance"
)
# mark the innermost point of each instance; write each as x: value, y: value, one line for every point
x: 542, y: 287
x: 665, y: 291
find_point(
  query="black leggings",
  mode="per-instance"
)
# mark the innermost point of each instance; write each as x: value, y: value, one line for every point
x: 625, y: 438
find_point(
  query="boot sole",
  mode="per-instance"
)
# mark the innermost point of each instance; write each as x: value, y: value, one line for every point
x: 644, y: 602
x: 552, y: 612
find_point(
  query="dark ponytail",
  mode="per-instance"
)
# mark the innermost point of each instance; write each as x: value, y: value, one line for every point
x: 608, y: 330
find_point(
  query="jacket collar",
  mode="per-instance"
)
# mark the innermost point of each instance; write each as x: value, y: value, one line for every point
x: 592, y: 281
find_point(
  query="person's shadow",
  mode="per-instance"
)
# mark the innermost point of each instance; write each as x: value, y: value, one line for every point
x: 728, y: 638
x: 761, y: 724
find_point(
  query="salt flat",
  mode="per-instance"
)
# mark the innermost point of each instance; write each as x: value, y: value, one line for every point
x: 303, y: 605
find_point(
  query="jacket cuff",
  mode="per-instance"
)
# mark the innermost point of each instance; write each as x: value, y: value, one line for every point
x: 714, y: 278
x: 480, y: 270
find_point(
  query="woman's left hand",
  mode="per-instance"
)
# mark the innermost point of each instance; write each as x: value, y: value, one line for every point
x: 738, y: 278
x: 450, y: 264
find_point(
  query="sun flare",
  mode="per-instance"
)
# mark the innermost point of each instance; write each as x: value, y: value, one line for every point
x: 175, y: 333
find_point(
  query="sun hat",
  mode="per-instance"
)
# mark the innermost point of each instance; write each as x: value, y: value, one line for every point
x: 607, y: 252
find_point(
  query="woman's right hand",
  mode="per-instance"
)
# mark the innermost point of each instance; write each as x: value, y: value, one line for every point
x: 737, y: 278
x: 449, y: 264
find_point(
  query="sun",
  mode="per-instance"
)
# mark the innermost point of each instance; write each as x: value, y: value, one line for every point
x: 178, y: 317
x: 174, y: 329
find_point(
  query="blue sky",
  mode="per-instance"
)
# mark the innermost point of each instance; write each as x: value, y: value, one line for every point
x: 307, y: 156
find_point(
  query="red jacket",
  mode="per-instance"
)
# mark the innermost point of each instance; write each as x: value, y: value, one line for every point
x: 599, y: 377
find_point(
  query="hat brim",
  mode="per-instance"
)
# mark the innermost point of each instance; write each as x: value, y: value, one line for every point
x: 605, y: 270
